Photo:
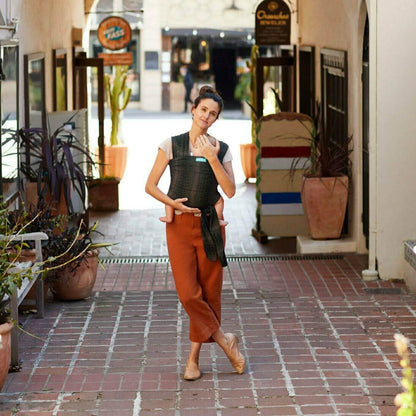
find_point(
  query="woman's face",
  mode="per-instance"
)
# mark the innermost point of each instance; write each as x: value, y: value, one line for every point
x: 206, y: 113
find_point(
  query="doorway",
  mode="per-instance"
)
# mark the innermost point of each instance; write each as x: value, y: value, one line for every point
x: 224, y: 68
x: 276, y: 73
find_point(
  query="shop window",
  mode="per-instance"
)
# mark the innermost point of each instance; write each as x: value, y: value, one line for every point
x: 9, y: 105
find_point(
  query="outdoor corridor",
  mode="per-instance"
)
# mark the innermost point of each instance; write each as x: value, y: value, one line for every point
x: 318, y: 340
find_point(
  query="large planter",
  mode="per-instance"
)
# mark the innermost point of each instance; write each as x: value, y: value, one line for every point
x: 5, y: 351
x: 115, y: 161
x: 324, y: 203
x: 31, y: 194
x: 103, y: 194
x: 248, y: 154
x: 69, y: 284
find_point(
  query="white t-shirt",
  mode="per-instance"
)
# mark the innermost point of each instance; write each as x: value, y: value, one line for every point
x: 166, y: 146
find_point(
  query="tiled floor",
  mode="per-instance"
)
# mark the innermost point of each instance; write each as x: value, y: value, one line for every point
x: 318, y: 340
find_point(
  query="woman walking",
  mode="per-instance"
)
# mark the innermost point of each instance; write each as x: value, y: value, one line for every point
x: 198, y: 164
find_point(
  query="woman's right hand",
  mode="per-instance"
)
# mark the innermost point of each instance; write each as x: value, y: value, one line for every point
x: 179, y: 204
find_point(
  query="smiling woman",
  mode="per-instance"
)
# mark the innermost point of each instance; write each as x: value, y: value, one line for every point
x: 194, y: 231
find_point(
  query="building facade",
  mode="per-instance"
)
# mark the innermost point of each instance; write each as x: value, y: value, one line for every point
x: 355, y: 56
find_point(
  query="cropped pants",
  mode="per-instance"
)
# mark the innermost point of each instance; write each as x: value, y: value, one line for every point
x: 198, y: 280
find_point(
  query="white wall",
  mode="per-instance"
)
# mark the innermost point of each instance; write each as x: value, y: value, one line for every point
x: 339, y: 24
x: 151, y: 40
x: 43, y: 26
x: 208, y: 14
x: 396, y: 133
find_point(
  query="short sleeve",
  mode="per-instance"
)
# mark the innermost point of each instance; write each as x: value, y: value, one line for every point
x: 228, y: 157
x: 166, y: 146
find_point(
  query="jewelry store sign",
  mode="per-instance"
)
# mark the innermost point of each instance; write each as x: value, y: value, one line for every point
x: 114, y: 33
x: 272, y: 23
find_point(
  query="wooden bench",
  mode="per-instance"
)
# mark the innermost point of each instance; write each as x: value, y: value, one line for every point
x: 17, y: 298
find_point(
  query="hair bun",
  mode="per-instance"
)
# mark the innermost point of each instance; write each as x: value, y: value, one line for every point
x: 207, y: 89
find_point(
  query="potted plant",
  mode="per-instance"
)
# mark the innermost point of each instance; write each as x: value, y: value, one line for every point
x: 118, y: 96
x: 71, y: 256
x: 325, y: 182
x: 13, y: 274
x: 72, y: 274
x: 53, y: 174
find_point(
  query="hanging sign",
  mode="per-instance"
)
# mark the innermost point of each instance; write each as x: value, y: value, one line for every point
x: 272, y: 23
x: 111, y: 59
x: 114, y: 33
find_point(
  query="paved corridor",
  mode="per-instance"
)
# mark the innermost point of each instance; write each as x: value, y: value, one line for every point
x: 318, y: 340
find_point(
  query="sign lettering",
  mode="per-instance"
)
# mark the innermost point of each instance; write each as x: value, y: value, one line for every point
x: 272, y: 23
x: 114, y: 33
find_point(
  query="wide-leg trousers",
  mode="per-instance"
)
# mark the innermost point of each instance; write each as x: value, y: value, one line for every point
x: 198, y: 280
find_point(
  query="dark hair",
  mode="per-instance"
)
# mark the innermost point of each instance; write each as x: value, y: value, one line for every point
x: 208, y: 92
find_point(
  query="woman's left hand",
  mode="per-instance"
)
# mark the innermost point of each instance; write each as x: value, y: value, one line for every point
x: 207, y: 150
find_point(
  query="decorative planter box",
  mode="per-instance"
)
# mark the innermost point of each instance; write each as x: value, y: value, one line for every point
x: 103, y: 194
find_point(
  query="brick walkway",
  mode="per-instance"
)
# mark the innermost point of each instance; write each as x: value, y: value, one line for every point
x: 318, y: 340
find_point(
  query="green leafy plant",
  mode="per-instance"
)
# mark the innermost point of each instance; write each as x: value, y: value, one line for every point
x: 406, y: 401
x: 328, y: 158
x: 118, y: 96
x: 67, y: 243
x: 12, y: 274
x: 242, y: 89
x: 48, y: 160
x: 74, y: 244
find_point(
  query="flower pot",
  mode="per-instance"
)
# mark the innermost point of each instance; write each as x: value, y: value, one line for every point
x: 5, y: 351
x: 69, y: 284
x: 115, y: 161
x: 31, y: 194
x: 103, y: 194
x: 248, y: 154
x: 324, y: 203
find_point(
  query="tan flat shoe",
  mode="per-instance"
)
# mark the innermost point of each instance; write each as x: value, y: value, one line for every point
x: 192, y: 372
x: 237, y: 359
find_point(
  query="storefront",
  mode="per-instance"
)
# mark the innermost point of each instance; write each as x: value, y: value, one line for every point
x: 214, y: 57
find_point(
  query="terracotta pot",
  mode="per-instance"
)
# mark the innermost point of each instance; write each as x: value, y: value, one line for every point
x: 31, y: 193
x: 115, y: 161
x: 248, y: 154
x: 5, y: 351
x: 75, y: 284
x: 103, y: 194
x: 324, y: 204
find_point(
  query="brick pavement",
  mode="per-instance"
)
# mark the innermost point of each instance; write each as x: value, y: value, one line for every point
x: 318, y: 340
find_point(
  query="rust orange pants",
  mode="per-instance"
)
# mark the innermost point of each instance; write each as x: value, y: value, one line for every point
x: 198, y: 280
